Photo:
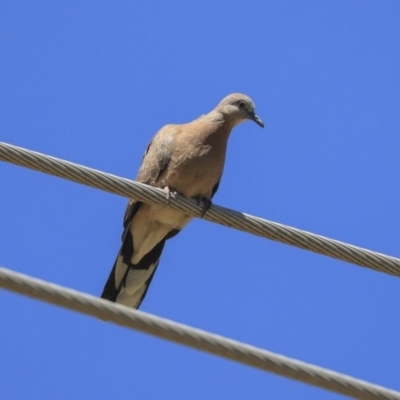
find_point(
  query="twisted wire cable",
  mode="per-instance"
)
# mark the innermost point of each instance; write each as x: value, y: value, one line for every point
x: 223, y: 216
x: 195, y: 338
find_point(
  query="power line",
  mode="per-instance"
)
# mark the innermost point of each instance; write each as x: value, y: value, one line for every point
x: 179, y: 333
x: 220, y: 215
x: 195, y: 338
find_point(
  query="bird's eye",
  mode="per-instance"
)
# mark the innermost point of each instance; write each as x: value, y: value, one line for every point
x: 241, y: 104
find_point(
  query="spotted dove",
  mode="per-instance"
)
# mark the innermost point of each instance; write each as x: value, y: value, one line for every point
x: 185, y: 160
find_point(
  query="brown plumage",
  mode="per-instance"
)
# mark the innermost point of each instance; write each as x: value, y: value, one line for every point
x: 186, y: 159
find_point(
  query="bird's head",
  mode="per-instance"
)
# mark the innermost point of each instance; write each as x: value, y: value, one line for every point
x: 237, y: 108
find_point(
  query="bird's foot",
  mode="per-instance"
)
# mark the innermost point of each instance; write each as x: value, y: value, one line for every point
x: 170, y: 193
x: 207, y: 203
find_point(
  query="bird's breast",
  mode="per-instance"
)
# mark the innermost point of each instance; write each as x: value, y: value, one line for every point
x: 197, y: 172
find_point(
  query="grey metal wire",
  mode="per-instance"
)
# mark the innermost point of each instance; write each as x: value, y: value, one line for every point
x: 217, y: 214
x: 195, y: 338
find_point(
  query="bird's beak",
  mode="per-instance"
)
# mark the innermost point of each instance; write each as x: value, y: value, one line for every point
x: 256, y: 119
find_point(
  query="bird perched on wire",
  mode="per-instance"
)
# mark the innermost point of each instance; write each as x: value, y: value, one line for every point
x: 185, y: 159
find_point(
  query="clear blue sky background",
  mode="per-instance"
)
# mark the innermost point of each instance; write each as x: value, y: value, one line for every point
x: 92, y: 81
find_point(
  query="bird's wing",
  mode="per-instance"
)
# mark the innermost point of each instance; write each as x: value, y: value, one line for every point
x: 154, y: 162
x: 128, y: 283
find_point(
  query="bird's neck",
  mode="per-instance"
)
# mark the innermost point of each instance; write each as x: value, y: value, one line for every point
x: 223, y: 125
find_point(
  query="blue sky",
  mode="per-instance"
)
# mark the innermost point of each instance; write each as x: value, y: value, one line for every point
x: 91, y: 82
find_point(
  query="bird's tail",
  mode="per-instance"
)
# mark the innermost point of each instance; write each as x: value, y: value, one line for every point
x: 128, y: 283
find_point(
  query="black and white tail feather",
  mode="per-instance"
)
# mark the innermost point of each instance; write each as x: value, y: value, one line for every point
x: 128, y: 283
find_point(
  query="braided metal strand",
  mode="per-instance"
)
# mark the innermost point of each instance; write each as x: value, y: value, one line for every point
x: 192, y: 337
x: 217, y: 214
